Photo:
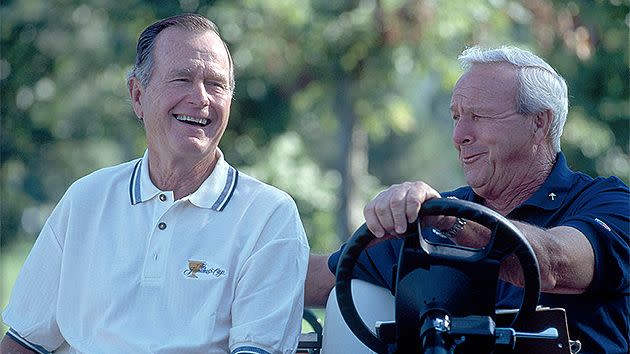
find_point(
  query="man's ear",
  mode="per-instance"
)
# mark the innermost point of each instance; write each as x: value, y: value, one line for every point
x: 135, y: 93
x: 542, y: 125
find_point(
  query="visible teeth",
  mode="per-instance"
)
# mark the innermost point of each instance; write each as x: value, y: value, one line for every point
x: 201, y: 121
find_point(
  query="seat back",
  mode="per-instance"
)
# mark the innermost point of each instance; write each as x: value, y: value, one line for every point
x: 373, y: 303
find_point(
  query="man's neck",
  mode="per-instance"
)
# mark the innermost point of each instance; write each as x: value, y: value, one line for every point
x: 521, y: 188
x: 180, y: 176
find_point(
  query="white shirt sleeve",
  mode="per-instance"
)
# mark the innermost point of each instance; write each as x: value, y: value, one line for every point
x: 269, y: 298
x: 31, y: 311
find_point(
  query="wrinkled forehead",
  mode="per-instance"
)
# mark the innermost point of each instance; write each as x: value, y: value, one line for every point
x: 486, y: 84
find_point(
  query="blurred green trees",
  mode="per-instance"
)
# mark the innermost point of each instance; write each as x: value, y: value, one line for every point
x: 334, y: 99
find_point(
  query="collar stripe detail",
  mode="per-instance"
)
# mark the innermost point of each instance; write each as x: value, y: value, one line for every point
x: 228, y: 190
x: 134, y: 184
x: 23, y: 342
x: 249, y: 350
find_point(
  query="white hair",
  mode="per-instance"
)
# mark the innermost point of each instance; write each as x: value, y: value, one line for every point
x: 540, y: 87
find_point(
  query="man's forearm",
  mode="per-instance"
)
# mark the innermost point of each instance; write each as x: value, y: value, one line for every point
x: 10, y: 346
x: 319, y: 281
x: 564, y: 255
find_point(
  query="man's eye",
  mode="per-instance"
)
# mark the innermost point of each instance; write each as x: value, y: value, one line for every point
x: 215, y: 83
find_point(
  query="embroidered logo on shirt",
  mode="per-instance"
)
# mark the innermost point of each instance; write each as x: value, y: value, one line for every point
x: 603, y: 224
x: 196, y: 267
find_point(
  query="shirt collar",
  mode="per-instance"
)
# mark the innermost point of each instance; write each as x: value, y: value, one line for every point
x: 141, y: 188
x: 556, y: 187
x: 214, y: 193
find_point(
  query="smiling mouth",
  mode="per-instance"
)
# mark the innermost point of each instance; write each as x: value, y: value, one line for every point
x: 202, y: 122
x: 471, y: 158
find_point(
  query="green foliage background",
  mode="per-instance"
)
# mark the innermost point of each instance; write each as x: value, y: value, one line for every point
x: 334, y: 99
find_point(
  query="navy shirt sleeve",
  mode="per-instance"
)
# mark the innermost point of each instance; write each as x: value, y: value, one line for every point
x: 601, y: 213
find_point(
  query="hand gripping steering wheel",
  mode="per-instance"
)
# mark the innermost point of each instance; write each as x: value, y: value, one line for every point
x: 510, y: 240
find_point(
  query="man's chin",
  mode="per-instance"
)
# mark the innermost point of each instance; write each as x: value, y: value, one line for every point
x: 474, y: 179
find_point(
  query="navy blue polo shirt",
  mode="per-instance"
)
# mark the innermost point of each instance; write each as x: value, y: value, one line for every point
x: 600, y: 209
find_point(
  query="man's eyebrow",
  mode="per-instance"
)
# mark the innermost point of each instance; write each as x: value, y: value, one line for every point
x: 188, y: 72
x: 466, y: 106
x: 218, y: 74
x: 180, y: 72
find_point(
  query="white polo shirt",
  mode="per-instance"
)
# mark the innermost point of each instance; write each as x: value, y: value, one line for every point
x: 120, y: 267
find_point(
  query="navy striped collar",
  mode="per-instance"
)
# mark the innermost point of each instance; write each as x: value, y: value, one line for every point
x: 214, y: 193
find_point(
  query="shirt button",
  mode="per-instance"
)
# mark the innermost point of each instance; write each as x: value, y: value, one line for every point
x: 162, y: 226
x: 162, y: 197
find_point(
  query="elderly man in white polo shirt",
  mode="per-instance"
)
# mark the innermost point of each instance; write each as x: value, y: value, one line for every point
x: 175, y: 252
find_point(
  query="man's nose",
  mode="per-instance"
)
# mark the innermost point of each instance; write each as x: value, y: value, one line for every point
x: 198, y: 96
x: 462, y: 131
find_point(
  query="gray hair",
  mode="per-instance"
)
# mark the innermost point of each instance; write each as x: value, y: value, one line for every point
x: 540, y: 87
x: 143, y: 66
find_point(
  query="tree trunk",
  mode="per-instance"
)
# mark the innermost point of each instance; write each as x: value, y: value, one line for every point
x: 346, y: 116
x: 352, y: 161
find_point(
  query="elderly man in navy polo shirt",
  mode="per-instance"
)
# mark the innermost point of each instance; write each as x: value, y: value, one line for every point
x: 508, y: 112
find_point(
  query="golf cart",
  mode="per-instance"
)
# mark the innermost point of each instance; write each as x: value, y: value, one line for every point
x: 444, y: 297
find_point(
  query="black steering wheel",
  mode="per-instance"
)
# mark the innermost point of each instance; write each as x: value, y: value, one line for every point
x: 510, y: 240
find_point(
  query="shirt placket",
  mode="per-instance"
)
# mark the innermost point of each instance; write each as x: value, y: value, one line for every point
x: 159, y: 240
